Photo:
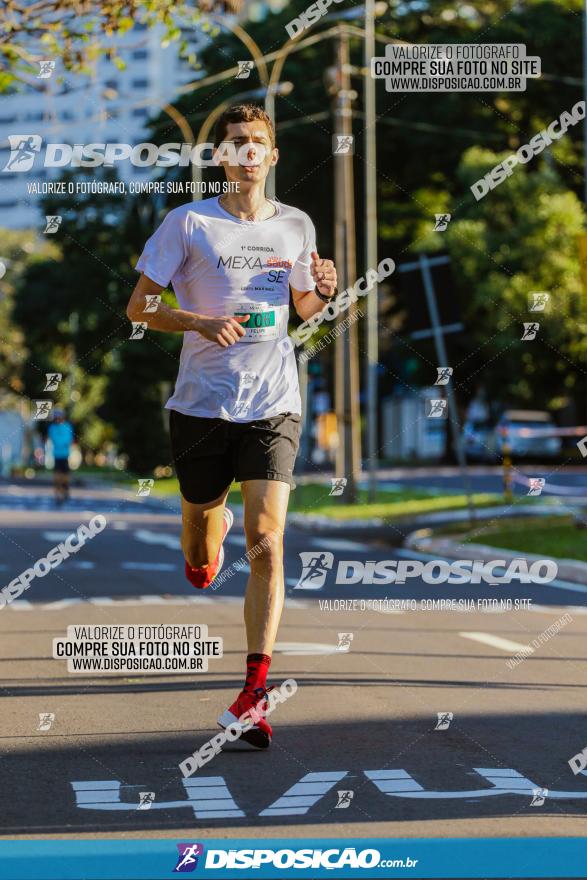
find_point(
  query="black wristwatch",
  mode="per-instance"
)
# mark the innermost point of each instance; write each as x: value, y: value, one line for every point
x: 325, y: 299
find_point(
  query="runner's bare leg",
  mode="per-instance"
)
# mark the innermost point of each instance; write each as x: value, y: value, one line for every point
x: 265, y: 507
x: 202, y: 530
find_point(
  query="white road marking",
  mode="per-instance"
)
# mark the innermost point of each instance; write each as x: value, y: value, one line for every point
x: 209, y: 798
x: 494, y: 641
x: 56, y: 536
x: 557, y: 609
x: 295, y: 603
x: 298, y: 799
x: 59, y: 604
x: 305, y: 649
x: 147, y: 537
x: 338, y: 544
x: 149, y: 566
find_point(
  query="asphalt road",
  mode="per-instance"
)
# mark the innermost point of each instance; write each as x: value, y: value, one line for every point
x: 362, y: 720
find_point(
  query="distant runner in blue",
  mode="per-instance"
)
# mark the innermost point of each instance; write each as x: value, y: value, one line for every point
x: 61, y: 435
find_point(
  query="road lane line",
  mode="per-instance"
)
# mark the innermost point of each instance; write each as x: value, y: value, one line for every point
x: 338, y: 544
x: 149, y: 566
x: 236, y: 540
x: 494, y: 641
x: 148, y: 537
x: 305, y: 649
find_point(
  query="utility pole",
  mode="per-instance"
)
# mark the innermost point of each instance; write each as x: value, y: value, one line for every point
x: 348, y: 457
x: 453, y: 418
x: 437, y: 331
x: 370, y: 178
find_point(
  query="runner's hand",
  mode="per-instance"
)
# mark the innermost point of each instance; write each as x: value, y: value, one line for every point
x: 324, y: 274
x: 225, y: 331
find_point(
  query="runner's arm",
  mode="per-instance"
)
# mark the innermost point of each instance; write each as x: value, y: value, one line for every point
x: 165, y: 317
x: 224, y: 330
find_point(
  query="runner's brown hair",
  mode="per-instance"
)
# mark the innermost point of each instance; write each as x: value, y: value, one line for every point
x: 242, y: 113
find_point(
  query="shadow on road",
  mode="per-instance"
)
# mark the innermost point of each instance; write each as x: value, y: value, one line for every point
x: 399, y: 770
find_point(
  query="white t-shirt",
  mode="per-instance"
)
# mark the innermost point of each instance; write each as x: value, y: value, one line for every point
x: 220, y: 265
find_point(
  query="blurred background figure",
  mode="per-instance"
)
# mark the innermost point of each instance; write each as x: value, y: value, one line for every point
x: 61, y: 437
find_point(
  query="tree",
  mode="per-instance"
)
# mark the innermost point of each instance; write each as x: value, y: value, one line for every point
x: 78, y: 31
x: 112, y: 385
x: 21, y: 251
x: 497, y: 272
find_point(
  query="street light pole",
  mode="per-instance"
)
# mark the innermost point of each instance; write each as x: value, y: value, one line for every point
x: 370, y: 187
x: 348, y: 457
x: 584, y: 24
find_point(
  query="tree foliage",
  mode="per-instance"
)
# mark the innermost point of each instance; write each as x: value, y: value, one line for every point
x: 77, y: 32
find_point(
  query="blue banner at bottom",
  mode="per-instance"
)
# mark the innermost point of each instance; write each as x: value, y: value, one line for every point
x: 368, y: 858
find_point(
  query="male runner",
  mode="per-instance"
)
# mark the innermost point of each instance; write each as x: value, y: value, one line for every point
x: 236, y: 410
x: 61, y: 435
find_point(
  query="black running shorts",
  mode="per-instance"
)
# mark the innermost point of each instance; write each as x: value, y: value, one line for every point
x: 61, y: 466
x: 209, y: 454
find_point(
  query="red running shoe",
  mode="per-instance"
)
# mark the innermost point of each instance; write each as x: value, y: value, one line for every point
x: 203, y: 577
x: 254, y: 703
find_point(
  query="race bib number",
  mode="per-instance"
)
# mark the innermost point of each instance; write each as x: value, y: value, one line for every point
x: 263, y: 322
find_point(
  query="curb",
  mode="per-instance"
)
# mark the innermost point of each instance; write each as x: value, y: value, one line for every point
x: 568, y: 569
x: 379, y: 528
